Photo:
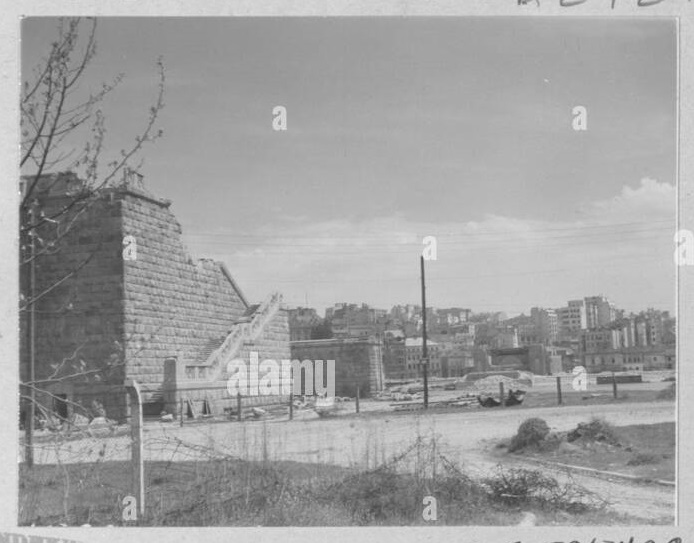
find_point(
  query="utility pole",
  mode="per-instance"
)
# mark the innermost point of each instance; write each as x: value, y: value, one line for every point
x: 29, y: 421
x: 425, y: 360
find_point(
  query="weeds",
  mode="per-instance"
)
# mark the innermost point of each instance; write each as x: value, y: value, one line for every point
x: 641, y: 459
x: 530, y: 433
x: 518, y: 486
x: 595, y: 430
x: 228, y: 491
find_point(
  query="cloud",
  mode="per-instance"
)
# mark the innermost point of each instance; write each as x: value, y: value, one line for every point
x: 651, y: 200
x: 619, y: 246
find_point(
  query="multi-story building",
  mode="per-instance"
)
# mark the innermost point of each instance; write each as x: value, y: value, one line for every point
x: 599, y: 311
x: 352, y: 320
x: 546, y: 324
x: 463, y: 335
x: 413, y: 358
x: 506, y: 338
x: 633, y: 343
x: 526, y: 330
x: 571, y: 320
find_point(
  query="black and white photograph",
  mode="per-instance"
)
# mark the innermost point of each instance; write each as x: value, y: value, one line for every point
x: 348, y: 272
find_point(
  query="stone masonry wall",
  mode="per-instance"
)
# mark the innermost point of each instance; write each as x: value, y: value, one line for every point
x: 160, y: 305
x: 177, y: 307
x: 357, y: 363
x: 80, y: 318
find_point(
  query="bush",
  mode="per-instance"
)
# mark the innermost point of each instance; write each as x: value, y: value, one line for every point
x: 517, y: 486
x: 595, y: 430
x: 530, y: 433
x: 375, y: 495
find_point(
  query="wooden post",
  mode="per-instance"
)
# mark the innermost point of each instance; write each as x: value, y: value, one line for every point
x: 180, y: 409
x: 559, y: 390
x: 356, y: 400
x: 238, y: 406
x: 291, y: 406
x: 138, y: 466
x: 31, y: 408
x: 501, y: 394
x: 425, y: 355
x: 614, y: 385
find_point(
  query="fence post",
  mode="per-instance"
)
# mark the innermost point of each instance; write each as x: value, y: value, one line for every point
x: 356, y: 400
x: 559, y: 390
x: 138, y: 466
x: 614, y: 385
x: 180, y: 409
x: 238, y: 405
x: 501, y: 394
x: 291, y: 406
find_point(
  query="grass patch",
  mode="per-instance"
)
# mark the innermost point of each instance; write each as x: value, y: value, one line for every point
x: 670, y: 393
x: 233, y: 492
x: 642, y: 450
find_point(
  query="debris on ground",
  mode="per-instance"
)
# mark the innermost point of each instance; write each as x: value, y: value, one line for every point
x: 514, y: 397
x: 490, y: 385
x: 597, y: 430
x: 101, y: 427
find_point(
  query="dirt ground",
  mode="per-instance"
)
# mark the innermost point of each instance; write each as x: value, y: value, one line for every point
x: 364, y: 441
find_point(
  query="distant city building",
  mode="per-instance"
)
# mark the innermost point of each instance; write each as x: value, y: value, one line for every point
x: 599, y: 311
x: 456, y: 359
x: 352, y: 320
x: 571, y: 320
x: 526, y: 330
x: 632, y: 343
x: 302, y: 323
x: 546, y: 324
x: 413, y: 358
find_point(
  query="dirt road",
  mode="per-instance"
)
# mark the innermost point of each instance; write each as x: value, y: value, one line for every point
x: 364, y: 442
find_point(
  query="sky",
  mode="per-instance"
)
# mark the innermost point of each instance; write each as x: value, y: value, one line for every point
x: 401, y: 128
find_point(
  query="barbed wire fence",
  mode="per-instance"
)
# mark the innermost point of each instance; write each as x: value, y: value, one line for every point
x: 80, y: 444
x: 96, y: 448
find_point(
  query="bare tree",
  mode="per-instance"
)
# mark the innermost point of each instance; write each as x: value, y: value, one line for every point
x: 63, y: 130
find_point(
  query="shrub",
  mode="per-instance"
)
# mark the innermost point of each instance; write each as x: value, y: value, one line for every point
x: 595, y: 430
x: 518, y: 486
x: 530, y: 433
x: 375, y: 495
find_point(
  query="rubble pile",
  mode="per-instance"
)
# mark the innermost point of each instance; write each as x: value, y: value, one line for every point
x: 395, y: 395
x: 490, y: 385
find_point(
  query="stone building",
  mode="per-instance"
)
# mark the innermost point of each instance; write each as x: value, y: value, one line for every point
x: 127, y: 301
x: 358, y: 362
x: 413, y: 352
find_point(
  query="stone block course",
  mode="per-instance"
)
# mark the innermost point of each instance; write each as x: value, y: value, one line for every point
x: 163, y: 304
